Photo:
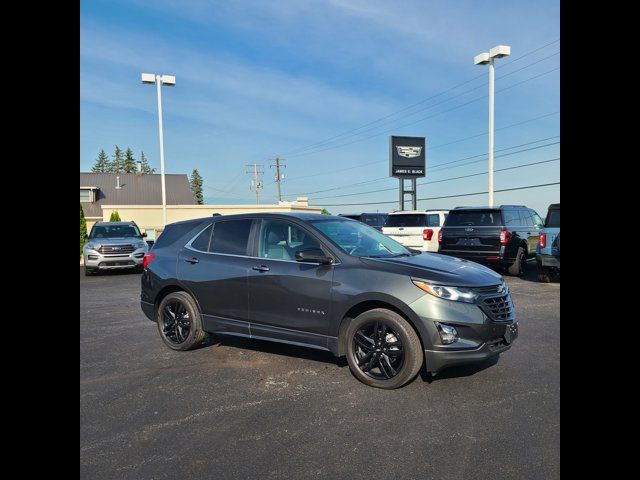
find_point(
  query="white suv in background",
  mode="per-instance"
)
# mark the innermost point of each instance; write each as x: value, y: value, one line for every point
x: 417, y: 229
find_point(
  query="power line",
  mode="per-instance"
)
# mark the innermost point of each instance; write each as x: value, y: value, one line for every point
x: 444, y: 179
x: 443, y: 196
x: 437, y: 166
x: 417, y: 103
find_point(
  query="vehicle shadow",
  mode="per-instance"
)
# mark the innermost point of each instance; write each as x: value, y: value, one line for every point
x: 459, y: 371
x: 104, y: 273
x: 274, y: 348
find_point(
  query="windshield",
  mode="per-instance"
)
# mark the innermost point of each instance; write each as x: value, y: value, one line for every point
x: 477, y: 218
x: 553, y: 219
x: 360, y: 240
x: 114, y: 231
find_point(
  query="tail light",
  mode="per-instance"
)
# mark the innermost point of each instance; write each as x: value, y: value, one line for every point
x: 543, y: 240
x: 427, y: 234
x: 505, y: 236
x: 440, y: 236
x: 147, y: 259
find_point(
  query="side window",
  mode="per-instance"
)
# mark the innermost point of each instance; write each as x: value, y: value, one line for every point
x: 201, y: 243
x: 281, y: 240
x: 231, y: 237
x: 433, y: 220
x: 511, y: 218
x: 537, y: 220
x: 525, y: 218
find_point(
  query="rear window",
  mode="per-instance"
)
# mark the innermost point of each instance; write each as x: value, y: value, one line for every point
x: 553, y: 219
x: 408, y: 220
x: 477, y: 218
x: 231, y: 237
x: 373, y: 220
x: 173, y: 233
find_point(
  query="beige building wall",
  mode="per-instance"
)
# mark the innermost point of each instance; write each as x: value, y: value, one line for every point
x: 149, y: 217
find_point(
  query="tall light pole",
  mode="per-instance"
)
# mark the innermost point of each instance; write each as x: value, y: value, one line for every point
x: 484, y: 59
x: 170, y: 81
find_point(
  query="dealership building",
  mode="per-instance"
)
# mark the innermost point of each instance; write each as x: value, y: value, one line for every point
x: 138, y: 197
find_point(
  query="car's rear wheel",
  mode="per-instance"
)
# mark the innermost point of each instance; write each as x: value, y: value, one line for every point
x: 179, y: 321
x: 383, y: 349
x: 518, y: 267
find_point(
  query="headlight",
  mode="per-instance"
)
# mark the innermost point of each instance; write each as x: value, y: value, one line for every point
x: 458, y: 294
x: 141, y: 245
x: 92, y: 246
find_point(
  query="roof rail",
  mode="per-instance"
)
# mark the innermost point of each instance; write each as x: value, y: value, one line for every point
x: 519, y: 206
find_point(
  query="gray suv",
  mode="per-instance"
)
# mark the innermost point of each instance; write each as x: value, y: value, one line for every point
x: 113, y: 246
x: 329, y: 283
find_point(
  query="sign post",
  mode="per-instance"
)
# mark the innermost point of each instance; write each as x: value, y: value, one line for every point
x: 407, y: 161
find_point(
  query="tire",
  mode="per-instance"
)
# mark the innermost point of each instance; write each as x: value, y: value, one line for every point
x: 518, y: 267
x: 544, y: 276
x: 89, y: 271
x: 172, y: 333
x: 382, y: 360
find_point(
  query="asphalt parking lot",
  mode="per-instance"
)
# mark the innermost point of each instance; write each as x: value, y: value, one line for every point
x: 252, y: 409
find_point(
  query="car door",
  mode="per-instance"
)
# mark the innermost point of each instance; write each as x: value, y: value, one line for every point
x: 288, y: 300
x: 214, y: 266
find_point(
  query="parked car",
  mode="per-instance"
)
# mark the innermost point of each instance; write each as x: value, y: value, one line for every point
x: 504, y: 236
x: 416, y: 229
x: 375, y: 220
x: 114, y: 246
x: 548, y: 251
x: 325, y: 282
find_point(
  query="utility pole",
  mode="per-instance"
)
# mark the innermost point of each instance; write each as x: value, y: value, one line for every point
x: 279, y: 177
x: 256, y: 183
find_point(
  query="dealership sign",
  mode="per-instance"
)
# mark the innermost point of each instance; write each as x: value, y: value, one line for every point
x: 407, y: 156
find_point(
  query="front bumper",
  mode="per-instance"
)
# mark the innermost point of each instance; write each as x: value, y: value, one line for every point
x: 548, y: 260
x: 96, y: 260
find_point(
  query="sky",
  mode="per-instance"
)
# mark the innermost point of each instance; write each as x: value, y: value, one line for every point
x: 322, y: 84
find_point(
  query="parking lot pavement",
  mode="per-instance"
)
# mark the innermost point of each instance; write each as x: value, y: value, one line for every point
x: 252, y: 409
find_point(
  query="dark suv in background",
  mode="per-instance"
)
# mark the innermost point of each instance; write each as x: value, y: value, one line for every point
x: 375, y: 220
x: 329, y: 283
x: 504, y: 236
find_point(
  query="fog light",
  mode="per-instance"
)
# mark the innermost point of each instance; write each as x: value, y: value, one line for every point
x: 93, y: 257
x: 448, y: 334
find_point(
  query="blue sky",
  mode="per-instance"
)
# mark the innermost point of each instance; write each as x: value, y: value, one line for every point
x: 308, y: 80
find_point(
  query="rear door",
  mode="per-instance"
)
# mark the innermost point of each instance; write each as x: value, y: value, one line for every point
x: 475, y: 232
x: 214, y: 268
x: 406, y: 228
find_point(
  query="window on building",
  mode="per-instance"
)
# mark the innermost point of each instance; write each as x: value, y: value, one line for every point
x: 85, y: 195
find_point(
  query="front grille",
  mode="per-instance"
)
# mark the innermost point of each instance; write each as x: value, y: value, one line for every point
x: 491, y: 289
x: 116, y: 249
x: 499, y: 309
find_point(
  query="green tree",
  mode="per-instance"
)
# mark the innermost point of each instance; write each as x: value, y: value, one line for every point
x: 83, y: 229
x: 196, y: 187
x: 146, y: 168
x: 117, y: 165
x: 102, y: 164
x: 325, y: 212
x: 129, y: 163
x: 115, y: 216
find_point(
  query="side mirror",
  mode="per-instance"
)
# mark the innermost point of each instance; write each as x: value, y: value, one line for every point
x: 313, y: 255
x: 144, y: 234
x: 86, y: 236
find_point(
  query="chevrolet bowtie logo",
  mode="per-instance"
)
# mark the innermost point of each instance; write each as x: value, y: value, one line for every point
x: 409, y: 152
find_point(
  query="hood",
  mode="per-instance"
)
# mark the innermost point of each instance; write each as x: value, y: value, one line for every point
x: 441, y: 269
x: 115, y: 240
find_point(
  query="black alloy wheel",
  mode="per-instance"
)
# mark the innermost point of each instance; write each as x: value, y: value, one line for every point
x: 378, y: 351
x: 176, y: 322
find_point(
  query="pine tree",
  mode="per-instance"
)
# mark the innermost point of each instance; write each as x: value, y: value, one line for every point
x: 102, y: 164
x: 325, y: 212
x: 129, y: 164
x: 83, y: 229
x: 117, y: 165
x: 196, y: 187
x: 146, y: 168
x: 115, y: 216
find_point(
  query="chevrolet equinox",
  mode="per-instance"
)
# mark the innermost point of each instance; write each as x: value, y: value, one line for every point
x: 329, y: 283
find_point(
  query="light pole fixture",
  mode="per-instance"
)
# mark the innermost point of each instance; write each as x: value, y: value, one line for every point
x: 487, y: 58
x: 170, y: 81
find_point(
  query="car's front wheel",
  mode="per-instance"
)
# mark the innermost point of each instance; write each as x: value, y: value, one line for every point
x: 383, y: 349
x: 179, y: 321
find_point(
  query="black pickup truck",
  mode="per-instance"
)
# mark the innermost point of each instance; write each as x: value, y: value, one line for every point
x: 504, y: 236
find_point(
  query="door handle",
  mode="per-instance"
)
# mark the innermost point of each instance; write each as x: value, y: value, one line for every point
x: 191, y: 260
x: 261, y: 268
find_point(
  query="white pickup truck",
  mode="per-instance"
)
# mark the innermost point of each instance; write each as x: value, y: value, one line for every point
x: 417, y: 229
